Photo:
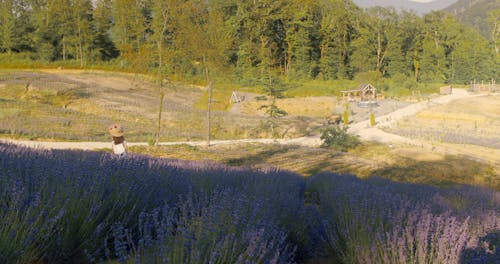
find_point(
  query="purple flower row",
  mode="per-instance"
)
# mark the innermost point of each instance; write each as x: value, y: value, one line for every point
x: 76, y: 206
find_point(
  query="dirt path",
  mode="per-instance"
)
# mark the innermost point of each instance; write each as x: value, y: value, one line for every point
x: 363, y: 129
x: 369, y: 133
x: 304, y: 141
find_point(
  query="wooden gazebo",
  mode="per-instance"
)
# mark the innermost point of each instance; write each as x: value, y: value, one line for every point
x: 364, y: 92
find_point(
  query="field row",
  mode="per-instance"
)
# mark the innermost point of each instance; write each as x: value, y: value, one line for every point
x: 78, y: 206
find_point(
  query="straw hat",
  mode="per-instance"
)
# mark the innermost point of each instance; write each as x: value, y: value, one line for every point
x: 116, y: 130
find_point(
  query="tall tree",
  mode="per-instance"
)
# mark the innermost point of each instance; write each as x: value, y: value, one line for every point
x: 494, y: 21
x: 301, y: 31
x: 162, y: 26
x: 376, y: 38
x: 6, y: 25
x: 103, y: 21
x: 203, y: 37
x: 336, y: 32
x: 436, y: 44
x: 129, y: 30
x: 84, y: 29
x: 405, y: 55
x: 472, y: 58
x: 261, y: 38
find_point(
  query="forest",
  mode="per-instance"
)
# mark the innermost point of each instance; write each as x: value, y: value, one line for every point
x: 248, y: 42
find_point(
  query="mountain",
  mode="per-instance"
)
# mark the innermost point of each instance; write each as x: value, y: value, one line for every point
x: 419, y: 6
x: 474, y: 13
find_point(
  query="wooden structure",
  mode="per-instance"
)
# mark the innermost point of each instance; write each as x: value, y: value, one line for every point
x: 364, y: 92
x: 445, y: 89
x: 484, y: 87
x: 235, y: 98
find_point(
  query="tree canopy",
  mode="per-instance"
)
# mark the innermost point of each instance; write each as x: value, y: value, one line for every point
x: 246, y: 40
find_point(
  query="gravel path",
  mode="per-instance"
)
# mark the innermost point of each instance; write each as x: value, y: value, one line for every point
x: 363, y: 129
x: 367, y: 132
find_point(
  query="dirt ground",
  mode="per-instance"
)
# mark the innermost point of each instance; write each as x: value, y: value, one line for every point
x: 133, y: 101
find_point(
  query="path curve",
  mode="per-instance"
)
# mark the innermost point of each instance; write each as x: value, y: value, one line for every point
x: 366, y: 132
x: 362, y: 129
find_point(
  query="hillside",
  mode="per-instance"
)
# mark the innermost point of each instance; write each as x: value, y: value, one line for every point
x: 419, y: 7
x: 474, y: 13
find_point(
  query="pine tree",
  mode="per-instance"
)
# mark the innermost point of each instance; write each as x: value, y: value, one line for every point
x: 104, y: 48
x: 300, y: 33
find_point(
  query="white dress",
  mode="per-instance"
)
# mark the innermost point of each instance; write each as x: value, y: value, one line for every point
x: 119, y: 149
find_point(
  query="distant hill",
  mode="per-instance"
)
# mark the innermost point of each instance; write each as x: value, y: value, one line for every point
x: 420, y: 7
x: 474, y: 13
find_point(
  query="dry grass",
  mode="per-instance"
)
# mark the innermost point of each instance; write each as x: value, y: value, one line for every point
x: 400, y: 163
x: 299, y: 106
x: 46, y: 110
x: 473, y: 121
x: 87, y: 102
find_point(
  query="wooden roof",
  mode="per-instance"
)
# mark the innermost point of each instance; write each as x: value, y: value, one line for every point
x: 361, y: 88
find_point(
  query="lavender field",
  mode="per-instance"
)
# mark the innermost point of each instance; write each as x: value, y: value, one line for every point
x: 91, y: 207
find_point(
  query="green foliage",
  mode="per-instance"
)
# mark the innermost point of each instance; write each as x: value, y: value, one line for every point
x: 338, y: 138
x: 346, y: 117
x: 346, y: 114
x: 320, y: 47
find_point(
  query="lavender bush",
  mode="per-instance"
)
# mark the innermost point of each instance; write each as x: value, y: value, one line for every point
x: 88, y: 207
x: 378, y: 221
x: 66, y: 206
x: 224, y: 227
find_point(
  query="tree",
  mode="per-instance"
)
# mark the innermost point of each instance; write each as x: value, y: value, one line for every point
x: 261, y: 37
x: 102, y: 16
x: 405, y: 54
x: 436, y: 44
x: 84, y: 34
x: 274, y: 88
x: 6, y: 26
x: 129, y: 26
x: 300, y: 32
x: 494, y: 21
x: 336, y: 32
x: 203, y: 37
x: 472, y: 58
x: 376, y: 39
x: 161, y: 25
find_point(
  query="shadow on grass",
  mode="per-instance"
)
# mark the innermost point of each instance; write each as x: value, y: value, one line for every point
x: 449, y: 171
x: 257, y: 158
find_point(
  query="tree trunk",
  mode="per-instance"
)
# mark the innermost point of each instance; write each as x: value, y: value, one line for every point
x: 207, y: 75
x: 494, y: 36
x: 64, y: 49
x: 209, y: 112
x: 80, y: 48
x: 379, y: 52
x: 158, y: 128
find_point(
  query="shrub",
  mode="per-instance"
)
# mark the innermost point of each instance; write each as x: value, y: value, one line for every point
x: 372, y: 119
x: 87, y: 207
x: 338, y: 138
x: 346, y: 117
x: 76, y: 206
x: 378, y: 221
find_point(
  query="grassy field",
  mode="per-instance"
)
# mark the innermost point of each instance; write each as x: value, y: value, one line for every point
x: 403, y: 164
x: 72, y: 105
x: 79, y: 105
x: 474, y: 121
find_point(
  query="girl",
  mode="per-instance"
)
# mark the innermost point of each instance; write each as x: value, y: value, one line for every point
x: 119, y: 145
